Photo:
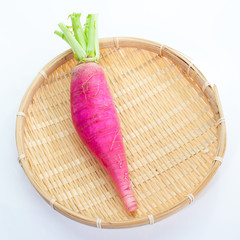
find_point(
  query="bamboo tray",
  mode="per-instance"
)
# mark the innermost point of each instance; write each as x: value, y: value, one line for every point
x: 172, y: 124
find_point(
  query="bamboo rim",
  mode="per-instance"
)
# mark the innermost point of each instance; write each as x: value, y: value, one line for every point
x: 165, y: 51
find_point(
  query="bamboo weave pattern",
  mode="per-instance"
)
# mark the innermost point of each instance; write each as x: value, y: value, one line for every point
x: 168, y: 127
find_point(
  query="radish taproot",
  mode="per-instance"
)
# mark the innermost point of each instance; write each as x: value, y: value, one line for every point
x: 93, y: 111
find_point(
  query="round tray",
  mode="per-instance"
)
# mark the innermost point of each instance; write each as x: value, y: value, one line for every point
x: 172, y: 124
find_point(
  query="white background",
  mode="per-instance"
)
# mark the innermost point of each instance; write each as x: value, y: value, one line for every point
x: 207, y: 31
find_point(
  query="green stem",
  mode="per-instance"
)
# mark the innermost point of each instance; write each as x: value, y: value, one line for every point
x: 90, y: 35
x: 78, y: 30
x: 96, y: 41
x: 76, y: 47
x: 84, y: 43
x: 61, y: 35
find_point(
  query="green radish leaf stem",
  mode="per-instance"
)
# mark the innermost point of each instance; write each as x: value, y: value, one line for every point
x: 60, y: 34
x: 84, y: 42
x: 78, y: 30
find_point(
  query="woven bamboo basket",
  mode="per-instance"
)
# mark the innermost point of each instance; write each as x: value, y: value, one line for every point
x: 172, y: 124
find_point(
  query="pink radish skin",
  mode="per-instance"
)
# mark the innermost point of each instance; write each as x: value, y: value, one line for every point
x: 96, y: 121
